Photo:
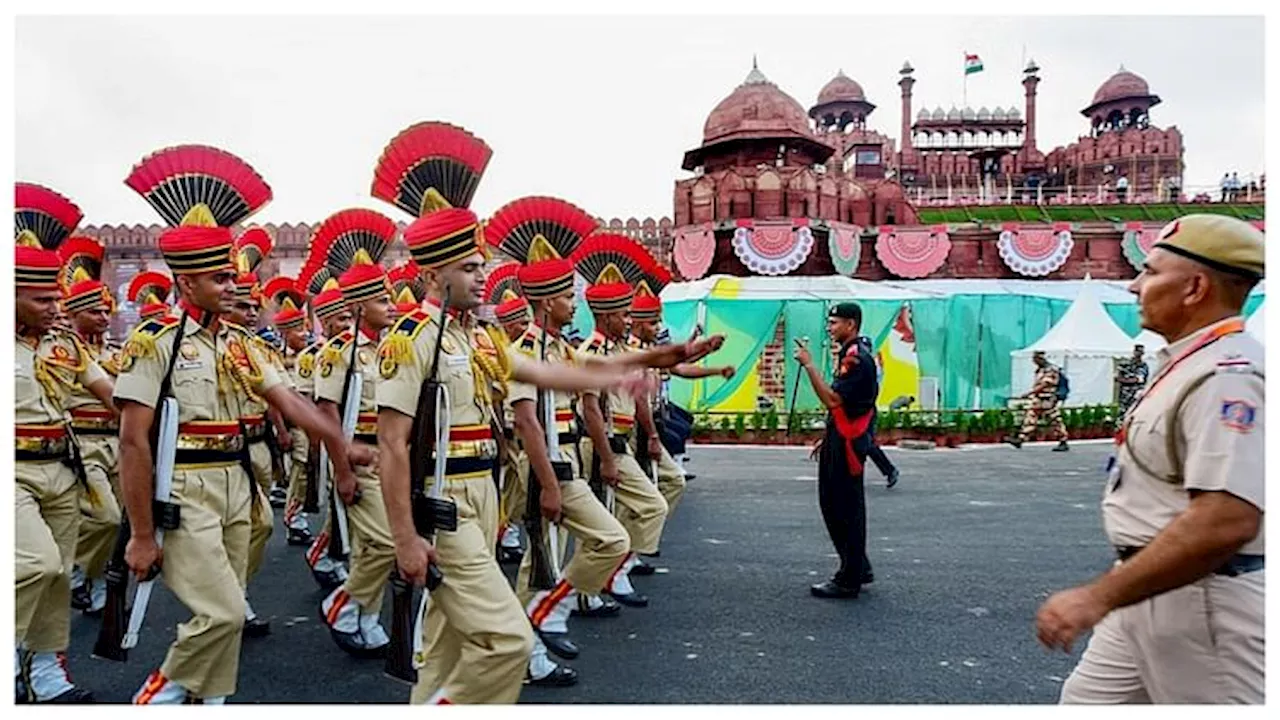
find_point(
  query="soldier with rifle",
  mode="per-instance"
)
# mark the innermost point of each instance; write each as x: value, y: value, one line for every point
x: 614, y: 264
x: 183, y: 388
x: 335, y: 318
x: 48, y: 481
x: 351, y: 243
x: 88, y: 305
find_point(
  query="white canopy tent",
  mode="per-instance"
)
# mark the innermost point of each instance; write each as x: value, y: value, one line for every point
x: 1085, y: 343
x: 1256, y: 324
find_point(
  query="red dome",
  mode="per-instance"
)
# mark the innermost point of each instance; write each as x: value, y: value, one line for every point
x: 757, y: 108
x: 1122, y: 85
x: 841, y: 88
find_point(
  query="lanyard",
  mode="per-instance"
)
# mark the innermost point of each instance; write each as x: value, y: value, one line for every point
x: 1230, y: 327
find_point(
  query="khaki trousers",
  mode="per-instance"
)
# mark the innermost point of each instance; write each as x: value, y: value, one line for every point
x: 100, y: 506
x: 297, y: 492
x: 600, y: 542
x: 513, y: 492
x: 46, y: 503
x: 260, y: 517
x: 670, y: 479
x: 1202, y: 643
x: 204, y: 567
x: 373, y: 550
x: 638, y: 504
x: 476, y: 635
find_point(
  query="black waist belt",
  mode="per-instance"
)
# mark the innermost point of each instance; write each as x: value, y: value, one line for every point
x: 39, y: 456
x: 83, y: 431
x: 464, y: 466
x: 569, y: 438
x: 1239, y: 564
x: 205, y: 457
x: 367, y: 438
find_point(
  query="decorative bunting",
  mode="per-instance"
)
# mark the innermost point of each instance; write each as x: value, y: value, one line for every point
x: 694, y: 249
x: 1037, y: 250
x: 845, y: 243
x: 913, y: 253
x: 773, y: 247
x: 1137, y: 242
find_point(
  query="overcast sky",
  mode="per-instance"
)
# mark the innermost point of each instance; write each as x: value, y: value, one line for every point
x: 597, y: 110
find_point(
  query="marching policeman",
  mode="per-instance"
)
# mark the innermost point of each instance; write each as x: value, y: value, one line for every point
x: 1179, y: 618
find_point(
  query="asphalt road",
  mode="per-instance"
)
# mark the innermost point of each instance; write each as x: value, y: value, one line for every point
x: 964, y: 549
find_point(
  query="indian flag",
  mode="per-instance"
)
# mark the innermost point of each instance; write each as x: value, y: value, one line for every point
x: 972, y: 64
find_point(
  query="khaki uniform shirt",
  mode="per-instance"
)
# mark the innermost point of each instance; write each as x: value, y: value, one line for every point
x: 405, y: 358
x: 528, y: 347
x: 47, y: 375
x: 214, y: 375
x: 304, y: 369
x: 1217, y: 441
x: 108, y: 356
x: 331, y: 370
x: 622, y: 407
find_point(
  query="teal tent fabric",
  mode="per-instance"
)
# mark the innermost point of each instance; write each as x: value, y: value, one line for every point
x: 748, y: 325
x: 680, y: 317
x: 806, y: 318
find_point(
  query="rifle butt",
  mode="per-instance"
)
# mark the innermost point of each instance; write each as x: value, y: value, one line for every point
x: 399, y: 664
x: 311, y: 499
x: 115, y: 615
x: 540, y: 575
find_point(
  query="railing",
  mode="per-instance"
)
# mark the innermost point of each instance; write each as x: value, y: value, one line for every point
x: 1005, y: 193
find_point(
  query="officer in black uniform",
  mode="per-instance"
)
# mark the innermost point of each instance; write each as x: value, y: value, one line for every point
x: 851, y: 401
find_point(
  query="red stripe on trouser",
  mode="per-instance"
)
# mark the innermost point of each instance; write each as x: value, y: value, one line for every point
x: 155, y: 683
x: 291, y: 511
x: 851, y: 429
x: 558, y: 593
x: 339, y: 601
x: 317, y: 548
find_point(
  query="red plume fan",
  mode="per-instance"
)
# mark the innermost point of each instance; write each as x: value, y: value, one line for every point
x: 513, y: 228
x: 251, y: 248
x: 80, y: 255
x: 176, y: 180
x: 407, y: 275
x: 42, y: 215
x: 656, y: 278
x: 500, y: 281
x: 281, y: 287
x: 343, y: 234
x: 602, y: 250
x: 430, y: 156
x: 149, y: 286
x: 313, y: 278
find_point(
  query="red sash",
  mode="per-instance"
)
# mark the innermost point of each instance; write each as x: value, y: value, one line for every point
x: 850, y: 429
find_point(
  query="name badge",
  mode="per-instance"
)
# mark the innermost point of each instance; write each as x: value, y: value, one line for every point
x: 196, y: 364
x: 456, y: 360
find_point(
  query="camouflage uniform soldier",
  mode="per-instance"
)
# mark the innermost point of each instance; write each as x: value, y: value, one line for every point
x: 1044, y: 404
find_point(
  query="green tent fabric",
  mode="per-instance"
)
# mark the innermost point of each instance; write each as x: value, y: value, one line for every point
x: 680, y: 318
x: 806, y: 318
x: 747, y: 326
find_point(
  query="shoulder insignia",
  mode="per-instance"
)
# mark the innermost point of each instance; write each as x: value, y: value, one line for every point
x: 142, y: 341
x: 410, y: 325
x: 306, y: 364
x: 1238, y: 415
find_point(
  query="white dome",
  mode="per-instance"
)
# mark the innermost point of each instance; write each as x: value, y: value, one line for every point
x: 984, y: 113
x: 923, y: 114
x: 968, y: 114
x: 1014, y: 113
x: 938, y: 114
x: 998, y: 114
x: 953, y: 113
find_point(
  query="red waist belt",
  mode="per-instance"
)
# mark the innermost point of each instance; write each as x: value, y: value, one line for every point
x: 851, y: 429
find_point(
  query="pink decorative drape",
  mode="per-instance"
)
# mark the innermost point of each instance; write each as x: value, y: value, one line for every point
x: 845, y: 244
x: 1035, y: 250
x: 772, y: 247
x: 694, y: 249
x: 914, y: 252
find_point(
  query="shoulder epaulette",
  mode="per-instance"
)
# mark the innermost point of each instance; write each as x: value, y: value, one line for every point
x: 593, y: 345
x: 311, y: 350
x: 142, y: 341
x: 411, y: 324
x: 526, y: 343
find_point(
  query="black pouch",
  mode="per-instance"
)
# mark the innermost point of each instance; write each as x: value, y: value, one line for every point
x: 431, y: 515
x: 618, y: 444
x: 563, y: 471
x: 165, y: 515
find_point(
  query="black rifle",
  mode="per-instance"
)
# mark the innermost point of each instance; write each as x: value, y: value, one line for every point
x: 429, y: 515
x: 339, y: 539
x: 311, y: 499
x: 273, y: 447
x: 542, y: 576
x: 115, y: 615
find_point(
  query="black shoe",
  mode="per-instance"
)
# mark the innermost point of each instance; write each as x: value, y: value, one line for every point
x: 654, y: 554
x: 893, y: 479
x: 643, y: 568
x: 832, y: 589
x: 635, y: 600
x: 75, y: 696
x: 327, y: 580
x: 690, y: 476
x: 510, y: 556
x: 278, y: 497
x: 559, y: 644
x: 1062, y: 446
x: 298, y: 536
x: 80, y: 598
x: 608, y: 609
x: 1014, y: 441
x: 562, y: 676
x: 256, y: 628
x: 868, y: 578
